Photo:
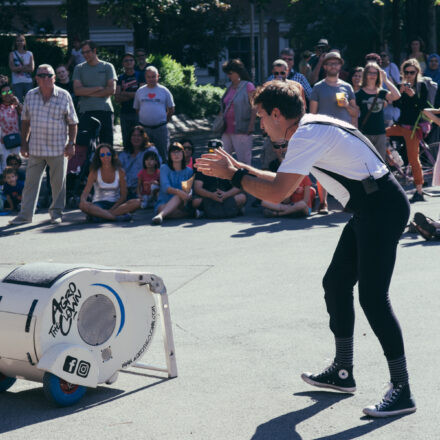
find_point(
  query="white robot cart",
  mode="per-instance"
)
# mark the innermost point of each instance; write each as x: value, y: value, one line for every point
x: 72, y: 327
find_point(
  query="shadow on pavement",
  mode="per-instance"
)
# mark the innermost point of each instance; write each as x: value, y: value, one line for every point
x: 284, y: 427
x: 29, y: 407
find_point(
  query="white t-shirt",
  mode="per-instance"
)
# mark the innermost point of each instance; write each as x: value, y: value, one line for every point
x: 332, y: 149
x: 25, y: 58
x: 152, y: 104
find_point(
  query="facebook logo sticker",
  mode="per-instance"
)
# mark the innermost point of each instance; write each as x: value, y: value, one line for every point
x: 70, y: 364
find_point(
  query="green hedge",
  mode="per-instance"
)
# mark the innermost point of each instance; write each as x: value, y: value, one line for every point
x: 190, y: 99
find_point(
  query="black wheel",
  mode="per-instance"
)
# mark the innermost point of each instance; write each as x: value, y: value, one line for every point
x: 6, y: 382
x: 60, y: 392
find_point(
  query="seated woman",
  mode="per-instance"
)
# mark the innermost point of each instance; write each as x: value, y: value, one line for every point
x: 188, y: 148
x: 172, y: 198
x: 132, y: 157
x: 110, y: 190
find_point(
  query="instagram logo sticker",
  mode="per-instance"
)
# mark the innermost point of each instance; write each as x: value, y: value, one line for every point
x: 83, y: 369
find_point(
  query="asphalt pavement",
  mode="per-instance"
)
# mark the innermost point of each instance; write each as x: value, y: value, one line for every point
x: 248, y: 318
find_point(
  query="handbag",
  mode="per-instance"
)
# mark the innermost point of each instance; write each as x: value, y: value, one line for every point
x: 219, y: 124
x: 12, y: 140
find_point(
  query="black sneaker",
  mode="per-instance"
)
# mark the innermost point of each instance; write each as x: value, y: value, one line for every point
x: 335, y: 376
x: 398, y: 400
x: 417, y: 197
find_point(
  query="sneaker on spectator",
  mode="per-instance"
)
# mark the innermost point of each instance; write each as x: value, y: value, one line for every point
x: 19, y: 221
x: 198, y: 213
x: 123, y: 218
x: 335, y: 376
x: 398, y: 400
x: 56, y: 220
x: 157, y: 220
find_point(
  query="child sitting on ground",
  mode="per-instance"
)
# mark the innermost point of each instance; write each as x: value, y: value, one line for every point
x: 148, y: 180
x: 12, y: 189
x: 299, y: 204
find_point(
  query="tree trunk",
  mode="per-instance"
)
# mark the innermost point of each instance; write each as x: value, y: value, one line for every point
x: 431, y: 28
x: 141, y: 36
x: 395, y: 39
x: 77, y: 20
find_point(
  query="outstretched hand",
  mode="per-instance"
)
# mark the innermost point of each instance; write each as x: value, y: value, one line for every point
x: 217, y: 164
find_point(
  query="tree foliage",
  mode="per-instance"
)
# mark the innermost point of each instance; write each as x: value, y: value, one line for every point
x: 192, y: 30
x: 14, y: 16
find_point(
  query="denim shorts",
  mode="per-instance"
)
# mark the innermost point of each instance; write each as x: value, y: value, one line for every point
x: 104, y: 204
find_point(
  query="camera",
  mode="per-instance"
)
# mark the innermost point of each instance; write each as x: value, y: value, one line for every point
x: 214, y: 143
x: 407, y: 85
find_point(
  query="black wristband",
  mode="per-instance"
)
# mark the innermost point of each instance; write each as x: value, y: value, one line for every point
x: 238, y: 177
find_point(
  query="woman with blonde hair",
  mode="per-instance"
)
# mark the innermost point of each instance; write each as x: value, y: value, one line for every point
x: 371, y: 99
x: 413, y: 99
x: 21, y: 63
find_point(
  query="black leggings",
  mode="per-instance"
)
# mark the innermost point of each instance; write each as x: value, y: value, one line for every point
x: 366, y: 253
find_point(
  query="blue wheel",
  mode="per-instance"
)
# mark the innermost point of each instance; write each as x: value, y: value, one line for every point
x: 6, y: 382
x: 60, y: 392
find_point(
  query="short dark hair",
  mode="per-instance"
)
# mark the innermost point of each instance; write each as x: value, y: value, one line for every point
x: 96, y: 161
x: 148, y: 155
x: 173, y: 147
x: 9, y: 170
x: 284, y: 95
x: 237, y: 66
x: 12, y: 157
x: 187, y: 140
x: 89, y: 43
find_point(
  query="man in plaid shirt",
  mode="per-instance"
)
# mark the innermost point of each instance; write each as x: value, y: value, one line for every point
x: 48, y: 132
x: 288, y: 56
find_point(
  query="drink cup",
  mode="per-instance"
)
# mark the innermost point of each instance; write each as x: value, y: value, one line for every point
x: 340, y: 98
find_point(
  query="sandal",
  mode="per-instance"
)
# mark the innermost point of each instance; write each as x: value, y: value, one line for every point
x: 323, y: 209
x: 424, y: 226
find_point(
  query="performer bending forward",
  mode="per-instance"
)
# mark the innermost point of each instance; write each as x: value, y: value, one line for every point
x: 347, y: 164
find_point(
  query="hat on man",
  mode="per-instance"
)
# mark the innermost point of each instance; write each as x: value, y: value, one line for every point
x: 333, y: 56
x: 322, y: 42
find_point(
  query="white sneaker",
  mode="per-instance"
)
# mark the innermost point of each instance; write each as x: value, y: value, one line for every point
x: 56, y: 220
x: 19, y: 221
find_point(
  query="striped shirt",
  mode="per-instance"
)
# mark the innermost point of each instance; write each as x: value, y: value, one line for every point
x: 299, y: 78
x: 49, y: 121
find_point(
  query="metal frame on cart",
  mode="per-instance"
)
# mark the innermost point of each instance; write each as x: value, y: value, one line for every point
x: 157, y: 287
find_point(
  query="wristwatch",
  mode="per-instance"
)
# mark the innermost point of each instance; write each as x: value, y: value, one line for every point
x: 71, y: 143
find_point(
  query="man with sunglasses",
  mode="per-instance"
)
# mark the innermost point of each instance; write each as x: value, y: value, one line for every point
x: 280, y: 69
x: 288, y: 56
x: 126, y: 88
x: 48, y: 132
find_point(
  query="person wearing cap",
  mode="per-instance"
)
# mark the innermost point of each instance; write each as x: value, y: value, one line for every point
x: 323, y: 101
x: 317, y: 59
x: 216, y: 198
x: 126, y: 87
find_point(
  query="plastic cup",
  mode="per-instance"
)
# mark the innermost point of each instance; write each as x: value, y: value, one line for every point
x: 340, y: 98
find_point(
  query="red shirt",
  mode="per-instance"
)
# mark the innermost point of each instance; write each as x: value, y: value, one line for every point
x: 299, y: 192
x: 147, y: 179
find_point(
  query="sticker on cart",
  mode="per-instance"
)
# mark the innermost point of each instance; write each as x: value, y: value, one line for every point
x: 64, y: 311
x: 71, y: 363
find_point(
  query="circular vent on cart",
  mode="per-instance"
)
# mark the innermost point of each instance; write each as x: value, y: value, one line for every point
x: 96, y: 320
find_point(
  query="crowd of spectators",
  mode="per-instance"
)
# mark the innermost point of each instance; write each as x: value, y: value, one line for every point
x: 41, y: 124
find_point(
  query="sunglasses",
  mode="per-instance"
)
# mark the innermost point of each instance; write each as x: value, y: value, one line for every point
x: 187, y: 148
x: 279, y: 73
x: 9, y: 92
x: 383, y: 55
x: 105, y: 154
x: 372, y: 72
x: 45, y: 75
x: 409, y: 72
x: 287, y: 58
x: 278, y: 146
